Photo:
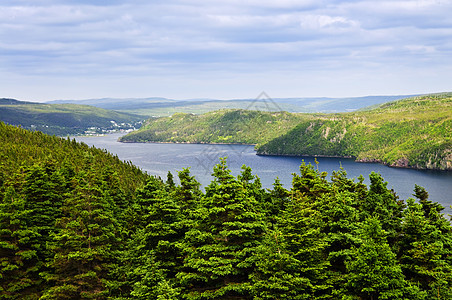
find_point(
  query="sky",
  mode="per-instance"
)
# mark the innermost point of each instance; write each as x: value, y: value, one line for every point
x: 187, y: 49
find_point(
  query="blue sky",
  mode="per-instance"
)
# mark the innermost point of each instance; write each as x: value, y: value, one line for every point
x: 181, y: 49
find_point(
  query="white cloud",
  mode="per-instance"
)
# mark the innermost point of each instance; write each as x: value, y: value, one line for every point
x: 205, y: 42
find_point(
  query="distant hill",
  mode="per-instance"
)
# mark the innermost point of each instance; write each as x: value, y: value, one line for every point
x: 412, y: 133
x: 64, y: 119
x: 165, y: 107
x: 223, y: 126
x: 8, y: 101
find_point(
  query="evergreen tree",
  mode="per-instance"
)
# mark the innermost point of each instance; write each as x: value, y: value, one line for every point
x: 43, y: 188
x: 85, y: 245
x: 425, y: 250
x: 373, y: 271
x: 188, y: 193
x: 291, y: 262
x: 19, y: 261
x: 384, y: 204
x: 146, y: 275
x: 31, y: 210
x: 144, y: 201
x: 310, y: 182
x: 153, y: 255
x: 275, y: 202
x: 170, y: 181
x: 220, y: 250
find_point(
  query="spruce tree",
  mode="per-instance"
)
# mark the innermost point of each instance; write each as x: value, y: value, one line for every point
x: 384, y: 203
x: 153, y: 251
x: 291, y: 260
x: 85, y: 245
x: 19, y: 261
x: 373, y: 270
x: 220, y: 249
x: 425, y: 250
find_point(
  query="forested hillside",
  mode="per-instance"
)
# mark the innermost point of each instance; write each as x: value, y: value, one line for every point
x: 411, y: 133
x: 77, y: 223
x: 224, y: 126
x: 414, y: 133
x: 65, y: 119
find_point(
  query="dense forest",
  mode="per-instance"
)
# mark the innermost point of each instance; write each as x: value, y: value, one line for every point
x: 77, y: 223
x: 410, y: 133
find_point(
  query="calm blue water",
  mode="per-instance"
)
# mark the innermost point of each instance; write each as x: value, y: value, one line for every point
x: 158, y: 159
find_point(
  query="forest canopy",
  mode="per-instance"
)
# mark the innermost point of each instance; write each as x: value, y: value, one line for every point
x: 78, y: 223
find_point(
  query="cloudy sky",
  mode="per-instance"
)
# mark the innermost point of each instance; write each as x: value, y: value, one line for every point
x: 181, y: 49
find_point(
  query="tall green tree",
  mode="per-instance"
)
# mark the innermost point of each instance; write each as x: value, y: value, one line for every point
x: 19, y: 261
x: 220, y: 249
x: 86, y: 243
x: 31, y: 205
x: 373, y: 270
x: 291, y: 260
x: 384, y: 203
x: 425, y: 249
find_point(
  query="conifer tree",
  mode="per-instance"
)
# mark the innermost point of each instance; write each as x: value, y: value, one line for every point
x: 146, y: 275
x: 275, y: 202
x: 383, y: 203
x: 341, y: 214
x: 85, y: 245
x: 144, y: 199
x: 425, y: 250
x: 170, y: 181
x: 373, y: 271
x: 43, y: 189
x: 31, y: 210
x: 310, y: 182
x: 291, y: 260
x: 188, y: 193
x: 153, y: 256
x: 220, y: 249
x: 19, y: 261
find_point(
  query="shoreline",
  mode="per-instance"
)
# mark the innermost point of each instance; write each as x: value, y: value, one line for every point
x: 362, y: 160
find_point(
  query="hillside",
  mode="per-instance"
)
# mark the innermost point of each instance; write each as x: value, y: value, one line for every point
x: 21, y: 148
x: 224, y: 126
x: 64, y: 119
x: 410, y: 133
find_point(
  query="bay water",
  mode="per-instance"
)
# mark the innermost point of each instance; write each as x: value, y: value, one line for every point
x: 159, y: 158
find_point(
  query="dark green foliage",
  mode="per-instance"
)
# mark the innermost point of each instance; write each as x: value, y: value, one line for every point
x: 76, y: 223
x: 59, y: 204
x: 382, y: 203
x: 425, y: 249
x: 373, y: 271
x: 220, y: 249
x: 19, y: 259
x: 291, y: 260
